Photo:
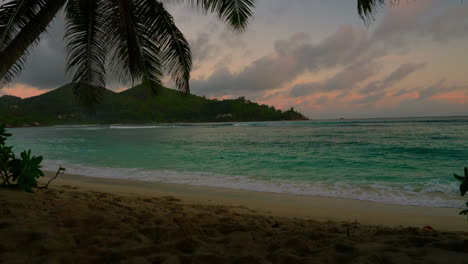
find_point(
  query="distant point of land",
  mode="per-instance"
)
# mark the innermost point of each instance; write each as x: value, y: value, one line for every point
x: 137, y: 105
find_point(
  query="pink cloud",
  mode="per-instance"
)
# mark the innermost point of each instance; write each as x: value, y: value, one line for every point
x: 22, y: 90
x: 453, y: 97
x: 353, y: 97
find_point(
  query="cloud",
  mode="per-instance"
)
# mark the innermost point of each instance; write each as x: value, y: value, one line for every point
x: 422, y: 19
x: 350, y: 76
x: 21, y: 90
x: 232, y: 40
x: 449, y: 24
x: 370, y: 98
x: 290, y: 58
x: 203, y: 44
x: 403, y: 71
x: 438, y: 88
x: 45, y: 67
x: 432, y: 90
x: 303, y: 89
x: 203, y: 49
x: 405, y: 108
x: 424, y: 108
x: 321, y: 100
x: 402, y: 92
x: 344, y: 80
x: 349, y: 48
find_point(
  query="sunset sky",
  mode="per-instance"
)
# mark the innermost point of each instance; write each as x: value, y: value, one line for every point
x: 316, y: 56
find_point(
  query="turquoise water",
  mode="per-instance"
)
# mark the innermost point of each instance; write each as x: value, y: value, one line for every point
x: 402, y: 161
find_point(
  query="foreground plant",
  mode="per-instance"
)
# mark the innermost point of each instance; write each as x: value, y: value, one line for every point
x: 463, y: 188
x: 61, y: 170
x: 20, y: 172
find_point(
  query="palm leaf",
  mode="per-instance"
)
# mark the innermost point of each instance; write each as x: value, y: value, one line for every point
x: 134, y: 56
x: 14, y: 15
x: 464, y: 187
x: 21, y: 33
x: 236, y: 13
x: 86, y: 49
x: 173, y: 47
x: 367, y: 8
x: 458, y: 177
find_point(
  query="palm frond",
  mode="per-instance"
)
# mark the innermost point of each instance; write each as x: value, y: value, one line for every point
x: 134, y: 56
x: 236, y: 13
x: 21, y: 32
x: 14, y: 15
x: 367, y: 8
x: 174, y: 48
x: 86, y: 49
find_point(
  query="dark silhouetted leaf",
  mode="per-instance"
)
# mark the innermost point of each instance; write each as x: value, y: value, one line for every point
x: 464, y: 187
x: 458, y: 177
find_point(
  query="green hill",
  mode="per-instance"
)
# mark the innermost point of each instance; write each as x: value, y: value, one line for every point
x: 133, y: 106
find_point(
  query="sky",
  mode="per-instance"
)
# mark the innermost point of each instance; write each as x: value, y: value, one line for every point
x: 316, y: 56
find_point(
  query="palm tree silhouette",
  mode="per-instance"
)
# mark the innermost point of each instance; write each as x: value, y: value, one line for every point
x: 137, y: 39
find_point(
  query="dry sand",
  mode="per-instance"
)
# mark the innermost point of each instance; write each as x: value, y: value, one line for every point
x: 92, y: 220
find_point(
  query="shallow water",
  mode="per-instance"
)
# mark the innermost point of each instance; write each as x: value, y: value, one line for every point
x: 402, y: 161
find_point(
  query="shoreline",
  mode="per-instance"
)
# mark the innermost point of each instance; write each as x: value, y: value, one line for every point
x: 286, y: 120
x: 395, y: 195
x: 280, y: 204
x: 152, y: 123
x: 96, y: 220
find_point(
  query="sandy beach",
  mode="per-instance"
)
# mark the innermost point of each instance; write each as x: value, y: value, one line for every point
x: 95, y: 220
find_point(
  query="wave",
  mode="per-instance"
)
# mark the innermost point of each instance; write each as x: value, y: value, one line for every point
x: 431, y: 193
x: 311, y: 123
x: 104, y: 127
x: 92, y: 128
x: 141, y: 127
x: 352, y: 122
x: 79, y: 127
x: 249, y: 124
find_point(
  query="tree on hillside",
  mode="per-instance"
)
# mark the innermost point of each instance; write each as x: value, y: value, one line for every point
x: 138, y: 39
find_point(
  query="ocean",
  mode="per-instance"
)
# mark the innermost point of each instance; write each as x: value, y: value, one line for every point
x: 407, y: 161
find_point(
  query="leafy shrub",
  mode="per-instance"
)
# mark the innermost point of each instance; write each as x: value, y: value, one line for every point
x: 26, y: 170
x: 463, y: 188
x: 20, y: 172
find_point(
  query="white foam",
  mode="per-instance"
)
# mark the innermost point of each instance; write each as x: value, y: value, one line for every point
x: 83, y: 127
x: 431, y: 194
x: 138, y: 127
x: 92, y: 128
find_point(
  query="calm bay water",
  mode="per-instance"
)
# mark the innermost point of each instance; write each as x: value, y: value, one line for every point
x: 402, y: 161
